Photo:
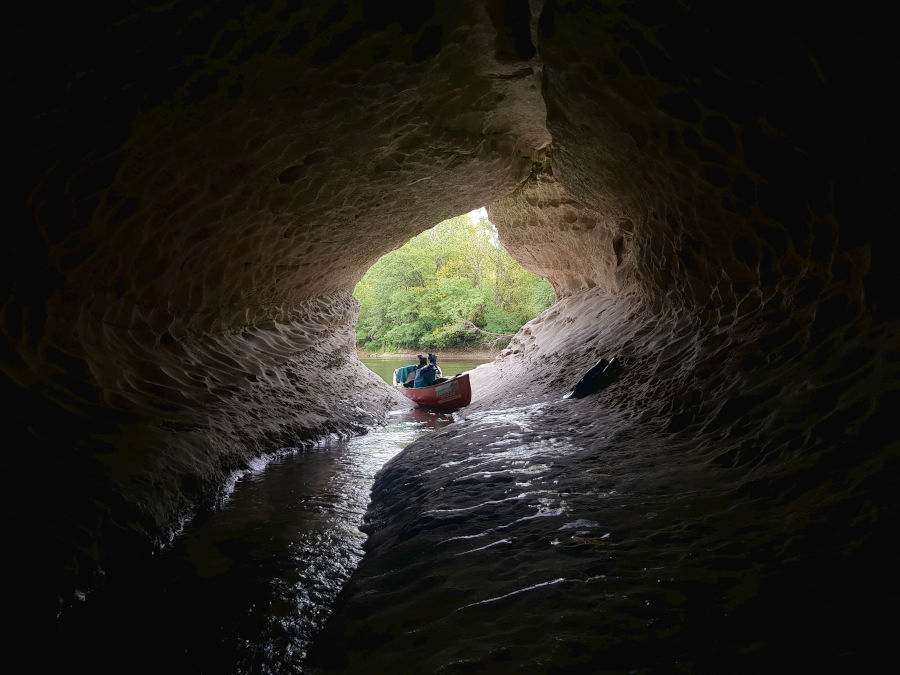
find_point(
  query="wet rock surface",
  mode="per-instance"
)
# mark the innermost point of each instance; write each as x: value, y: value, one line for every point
x: 709, y: 191
x: 684, y: 517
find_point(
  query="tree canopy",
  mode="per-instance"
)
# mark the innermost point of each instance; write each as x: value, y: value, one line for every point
x: 428, y: 294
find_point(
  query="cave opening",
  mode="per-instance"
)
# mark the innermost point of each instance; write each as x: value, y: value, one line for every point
x: 453, y: 288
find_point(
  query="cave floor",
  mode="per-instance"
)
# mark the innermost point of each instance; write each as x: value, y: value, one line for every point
x: 551, y: 536
x: 541, y: 538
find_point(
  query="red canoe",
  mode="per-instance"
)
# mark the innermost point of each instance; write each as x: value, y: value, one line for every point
x: 445, y: 394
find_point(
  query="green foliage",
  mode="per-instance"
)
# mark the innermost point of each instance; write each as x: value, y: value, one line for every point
x: 425, y: 294
x: 500, y: 321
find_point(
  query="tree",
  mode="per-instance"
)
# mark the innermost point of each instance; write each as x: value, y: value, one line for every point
x: 428, y: 293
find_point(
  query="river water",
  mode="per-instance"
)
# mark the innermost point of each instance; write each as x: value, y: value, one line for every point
x: 246, y: 588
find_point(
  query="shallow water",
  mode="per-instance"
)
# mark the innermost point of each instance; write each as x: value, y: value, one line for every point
x: 246, y: 588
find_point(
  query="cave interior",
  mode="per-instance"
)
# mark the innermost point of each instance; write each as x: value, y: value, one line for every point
x: 198, y: 188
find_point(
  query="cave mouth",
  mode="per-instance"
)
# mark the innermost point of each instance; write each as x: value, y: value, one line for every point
x: 453, y: 287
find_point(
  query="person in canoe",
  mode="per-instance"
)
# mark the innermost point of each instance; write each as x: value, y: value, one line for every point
x: 425, y: 385
x: 422, y: 374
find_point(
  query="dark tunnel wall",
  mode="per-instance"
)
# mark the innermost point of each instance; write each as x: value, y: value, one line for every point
x: 701, y: 223
x: 707, y: 187
x: 201, y: 189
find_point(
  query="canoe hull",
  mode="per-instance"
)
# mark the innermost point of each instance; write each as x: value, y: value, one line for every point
x: 451, y: 394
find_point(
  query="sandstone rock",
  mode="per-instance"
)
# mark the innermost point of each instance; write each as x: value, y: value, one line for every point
x: 198, y: 189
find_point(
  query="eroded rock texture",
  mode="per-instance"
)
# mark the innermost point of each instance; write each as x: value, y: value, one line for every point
x: 203, y: 189
x: 704, y: 185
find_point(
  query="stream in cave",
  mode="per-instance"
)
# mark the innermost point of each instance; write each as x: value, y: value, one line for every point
x: 246, y: 588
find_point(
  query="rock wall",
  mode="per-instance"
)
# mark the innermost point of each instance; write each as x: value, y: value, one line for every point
x: 200, y: 190
x: 724, y: 505
x: 197, y: 190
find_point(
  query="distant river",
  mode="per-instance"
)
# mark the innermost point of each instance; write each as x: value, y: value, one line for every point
x: 385, y: 367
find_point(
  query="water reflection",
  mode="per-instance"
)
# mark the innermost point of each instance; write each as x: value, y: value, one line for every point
x: 246, y: 589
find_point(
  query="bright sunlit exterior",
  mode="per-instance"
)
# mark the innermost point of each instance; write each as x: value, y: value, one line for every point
x: 451, y: 287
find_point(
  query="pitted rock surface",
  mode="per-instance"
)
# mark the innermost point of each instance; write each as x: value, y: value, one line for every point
x: 198, y: 189
x: 201, y: 206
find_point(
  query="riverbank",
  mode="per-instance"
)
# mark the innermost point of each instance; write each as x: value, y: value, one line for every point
x: 448, y: 354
